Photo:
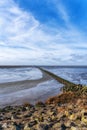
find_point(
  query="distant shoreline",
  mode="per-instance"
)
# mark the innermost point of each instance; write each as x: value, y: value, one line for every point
x: 59, y: 66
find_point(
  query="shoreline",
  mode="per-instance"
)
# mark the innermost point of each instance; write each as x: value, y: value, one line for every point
x: 16, y: 93
x: 23, y: 87
x: 65, y: 111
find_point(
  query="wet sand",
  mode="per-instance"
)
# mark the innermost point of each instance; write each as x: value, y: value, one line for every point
x: 6, y: 88
x: 17, y: 93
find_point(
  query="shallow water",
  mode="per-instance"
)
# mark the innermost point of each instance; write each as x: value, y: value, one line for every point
x: 19, y: 74
x: 19, y: 85
x: 41, y: 92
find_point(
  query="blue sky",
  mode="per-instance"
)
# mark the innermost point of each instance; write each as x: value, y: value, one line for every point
x: 43, y: 32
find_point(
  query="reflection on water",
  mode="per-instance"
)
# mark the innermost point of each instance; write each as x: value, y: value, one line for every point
x: 35, y: 85
x: 39, y: 93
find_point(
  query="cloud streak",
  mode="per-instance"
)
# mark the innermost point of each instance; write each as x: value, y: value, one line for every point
x: 24, y: 40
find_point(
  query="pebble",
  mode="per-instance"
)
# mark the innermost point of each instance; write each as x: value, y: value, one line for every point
x: 44, y: 117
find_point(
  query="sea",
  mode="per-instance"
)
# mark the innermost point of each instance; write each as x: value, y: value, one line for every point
x: 19, y: 85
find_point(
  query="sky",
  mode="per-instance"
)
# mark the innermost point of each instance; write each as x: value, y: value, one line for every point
x: 43, y: 32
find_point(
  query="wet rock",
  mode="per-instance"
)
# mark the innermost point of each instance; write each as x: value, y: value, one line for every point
x: 68, y: 123
x: 42, y: 127
x: 23, y: 109
x: 32, y: 123
x: 84, y: 117
x: 1, y: 118
x: 72, y: 116
x: 28, y: 115
x: 1, y: 127
x: 8, y: 108
x: 63, y: 127
x: 40, y: 104
x: 4, y: 125
x: 27, y: 127
x: 13, y: 117
x: 57, y: 125
x: 7, y: 118
x: 73, y: 124
x: 67, y: 116
x: 74, y: 128
x: 13, y: 128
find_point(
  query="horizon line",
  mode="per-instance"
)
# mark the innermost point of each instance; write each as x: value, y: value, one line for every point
x: 14, y: 66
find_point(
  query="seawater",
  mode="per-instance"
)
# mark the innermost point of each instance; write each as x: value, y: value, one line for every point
x: 19, y: 74
x: 76, y: 75
x: 20, y: 85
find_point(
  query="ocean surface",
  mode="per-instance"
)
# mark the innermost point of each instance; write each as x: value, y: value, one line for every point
x: 76, y: 75
x: 19, y: 74
x: 30, y: 84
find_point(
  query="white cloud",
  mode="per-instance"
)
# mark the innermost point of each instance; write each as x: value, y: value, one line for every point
x: 24, y: 41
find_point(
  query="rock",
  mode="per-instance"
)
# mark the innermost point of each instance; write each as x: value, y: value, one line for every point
x: 27, y: 127
x: 42, y: 127
x: 66, y: 113
x: 1, y: 127
x: 28, y: 115
x: 72, y: 116
x: 68, y: 123
x: 84, y: 117
x: 63, y: 127
x: 40, y: 119
x: 40, y: 104
x: 13, y: 127
x: 4, y: 125
x: 2, y: 117
x: 32, y: 123
x: 23, y: 109
x: 14, y: 117
x: 67, y: 116
x: 74, y: 128
x: 73, y: 124
x: 57, y: 125
x: 8, y: 108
